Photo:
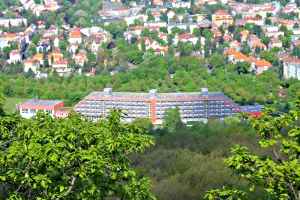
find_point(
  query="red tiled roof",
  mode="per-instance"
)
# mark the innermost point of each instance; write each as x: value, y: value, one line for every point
x: 262, y: 63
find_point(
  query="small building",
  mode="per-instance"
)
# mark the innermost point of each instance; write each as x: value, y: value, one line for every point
x: 31, y: 64
x: 14, y: 57
x: 222, y: 17
x: 260, y: 66
x: 29, y: 108
x: 80, y: 58
x: 75, y: 36
x: 254, y: 111
x: 186, y: 37
x: 61, y: 67
x: 291, y: 67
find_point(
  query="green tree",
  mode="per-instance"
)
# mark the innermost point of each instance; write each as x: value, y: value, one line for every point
x: 217, y: 60
x: 278, y: 172
x: 172, y: 120
x: 185, y: 48
x: 224, y: 194
x: 296, y: 52
x: 72, y: 158
x: 1, y: 105
x: 242, y: 67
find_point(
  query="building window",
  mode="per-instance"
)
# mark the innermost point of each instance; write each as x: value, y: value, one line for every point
x: 24, y: 111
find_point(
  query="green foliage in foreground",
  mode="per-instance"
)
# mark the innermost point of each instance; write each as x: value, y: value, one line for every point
x: 278, y: 173
x: 1, y: 105
x: 45, y: 158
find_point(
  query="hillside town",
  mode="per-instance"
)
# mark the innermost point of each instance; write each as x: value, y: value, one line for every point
x: 150, y: 99
x: 246, y: 34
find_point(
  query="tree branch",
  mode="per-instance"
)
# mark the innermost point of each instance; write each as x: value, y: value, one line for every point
x: 71, y: 186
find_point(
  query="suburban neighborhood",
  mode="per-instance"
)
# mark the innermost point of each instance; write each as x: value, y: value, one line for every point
x: 240, y: 31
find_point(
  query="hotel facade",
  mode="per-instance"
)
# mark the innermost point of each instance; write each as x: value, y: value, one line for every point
x: 196, y: 106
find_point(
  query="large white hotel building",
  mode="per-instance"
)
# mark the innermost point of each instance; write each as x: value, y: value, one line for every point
x: 196, y: 106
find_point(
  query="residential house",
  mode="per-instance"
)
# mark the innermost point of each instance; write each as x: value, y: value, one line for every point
x: 55, y: 56
x: 132, y: 19
x: 257, y: 20
x: 75, y: 36
x: 31, y: 64
x: 157, y: 2
x: 51, y: 5
x: 275, y: 43
x: 13, y: 22
x: 186, y: 37
x: 272, y: 31
x: 80, y: 58
x: 288, y: 23
x: 182, y: 26
x: 4, y: 22
x: 290, y: 8
x: 291, y: 67
x: 235, y: 56
x: 61, y: 67
x: 14, y: 57
x: 259, y: 66
x: 222, y: 18
x: 39, y: 57
x: 10, y: 37
x: 180, y: 4
x: 43, y: 46
x: 30, y: 108
x: 154, y: 45
x: 255, y: 43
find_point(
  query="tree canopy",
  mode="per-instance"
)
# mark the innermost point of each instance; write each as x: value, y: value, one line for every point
x: 278, y: 169
x: 73, y: 158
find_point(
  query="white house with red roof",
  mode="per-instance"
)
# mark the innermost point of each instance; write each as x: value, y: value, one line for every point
x: 291, y: 67
x: 186, y: 37
x: 61, y: 67
x: 31, y: 107
x: 259, y: 66
x: 80, y: 58
x: 14, y: 57
x: 75, y: 36
x: 31, y: 64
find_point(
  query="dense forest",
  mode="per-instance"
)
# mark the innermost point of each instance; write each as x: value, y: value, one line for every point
x: 188, y: 161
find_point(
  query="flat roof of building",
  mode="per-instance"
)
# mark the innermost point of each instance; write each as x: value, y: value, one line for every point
x: 107, y: 93
x: 41, y: 102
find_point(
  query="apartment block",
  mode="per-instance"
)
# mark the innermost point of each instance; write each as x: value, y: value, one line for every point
x: 196, y: 106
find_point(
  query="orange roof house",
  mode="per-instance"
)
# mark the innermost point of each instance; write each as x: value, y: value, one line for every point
x: 75, y: 36
x: 261, y: 66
